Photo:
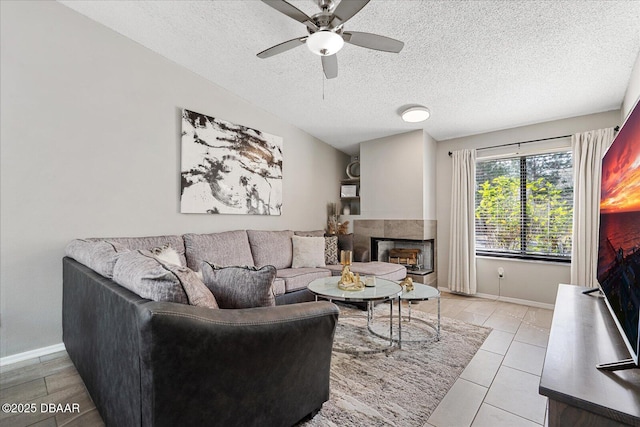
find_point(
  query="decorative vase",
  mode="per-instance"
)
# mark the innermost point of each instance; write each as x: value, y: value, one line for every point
x: 353, y: 169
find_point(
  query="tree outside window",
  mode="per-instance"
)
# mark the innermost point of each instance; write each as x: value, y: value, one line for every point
x: 524, y: 206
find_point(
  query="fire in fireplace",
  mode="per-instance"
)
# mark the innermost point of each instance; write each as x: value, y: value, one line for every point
x: 416, y: 255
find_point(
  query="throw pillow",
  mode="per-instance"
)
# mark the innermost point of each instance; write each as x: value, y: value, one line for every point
x: 308, y: 252
x: 331, y: 250
x: 240, y: 287
x: 149, y: 242
x: 167, y: 254
x: 148, y: 276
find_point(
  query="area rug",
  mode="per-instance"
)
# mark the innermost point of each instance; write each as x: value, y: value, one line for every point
x: 400, y: 388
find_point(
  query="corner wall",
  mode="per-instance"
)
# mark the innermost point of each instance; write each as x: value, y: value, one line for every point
x: 527, y: 280
x: 90, y: 146
x: 397, y: 178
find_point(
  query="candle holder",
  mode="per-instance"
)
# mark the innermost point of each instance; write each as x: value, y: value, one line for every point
x: 349, y: 281
x: 346, y: 257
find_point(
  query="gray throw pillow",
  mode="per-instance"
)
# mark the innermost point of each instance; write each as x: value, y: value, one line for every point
x: 150, y: 277
x: 240, y: 287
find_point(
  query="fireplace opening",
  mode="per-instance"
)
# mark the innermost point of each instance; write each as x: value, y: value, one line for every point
x: 416, y: 255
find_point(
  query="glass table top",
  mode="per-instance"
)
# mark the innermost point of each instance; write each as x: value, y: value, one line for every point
x: 327, y: 287
x: 420, y: 292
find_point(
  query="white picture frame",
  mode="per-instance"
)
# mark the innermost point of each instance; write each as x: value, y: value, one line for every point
x: 349, y: 191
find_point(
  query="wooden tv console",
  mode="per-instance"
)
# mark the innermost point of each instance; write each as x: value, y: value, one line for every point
x: 583, y: 334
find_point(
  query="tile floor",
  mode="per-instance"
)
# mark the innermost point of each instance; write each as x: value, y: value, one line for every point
x: 499, y: 387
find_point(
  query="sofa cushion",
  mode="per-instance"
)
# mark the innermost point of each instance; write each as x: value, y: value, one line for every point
x: 331, y: 250
x: 148, y: 276
x: 222, y: 249
x: 385, y: 270
x: 150, y: 242
x: 100, y: 256
x: 307, y: 251
x: 299, y: 278
x: 271, y: 248
x: 278, y: 286
x: 240, y: 287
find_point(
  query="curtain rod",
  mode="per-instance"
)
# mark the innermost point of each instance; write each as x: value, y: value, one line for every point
x: 616, y: 129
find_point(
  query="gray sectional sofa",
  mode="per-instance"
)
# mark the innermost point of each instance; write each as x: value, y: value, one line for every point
x: 260, y: 248
x: 156, y: 363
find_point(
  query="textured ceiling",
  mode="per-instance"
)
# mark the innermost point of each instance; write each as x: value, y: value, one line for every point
x: 479, y: 66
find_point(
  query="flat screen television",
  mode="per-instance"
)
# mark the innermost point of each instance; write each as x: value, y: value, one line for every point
x: 619, y: 245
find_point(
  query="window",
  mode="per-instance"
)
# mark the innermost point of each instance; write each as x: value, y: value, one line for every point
x: 524, y: 206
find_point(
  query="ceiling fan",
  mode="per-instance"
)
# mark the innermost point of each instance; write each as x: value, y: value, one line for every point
x: 326, y: 36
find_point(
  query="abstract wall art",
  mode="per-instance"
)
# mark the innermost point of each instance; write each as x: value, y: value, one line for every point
x: 229, y: 168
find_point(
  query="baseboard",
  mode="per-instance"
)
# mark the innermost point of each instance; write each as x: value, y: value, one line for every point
x: 508, y: 299
x: 31, y: 354
x: 518, y: 301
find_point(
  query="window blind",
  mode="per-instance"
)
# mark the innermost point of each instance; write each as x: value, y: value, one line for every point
x: 524, y: 206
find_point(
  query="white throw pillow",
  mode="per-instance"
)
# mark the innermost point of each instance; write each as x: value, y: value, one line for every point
x: 307, y: 252
x: 167, y: 254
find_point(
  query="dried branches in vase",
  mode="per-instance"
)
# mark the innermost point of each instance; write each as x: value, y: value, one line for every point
x: 334, y: 226
x: 343, y: 227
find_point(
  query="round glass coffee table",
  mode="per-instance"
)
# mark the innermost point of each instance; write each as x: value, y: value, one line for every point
x: 420, y: 292
x: 384, y: 290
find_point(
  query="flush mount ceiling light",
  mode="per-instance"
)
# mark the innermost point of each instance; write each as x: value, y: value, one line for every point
x: 325, y: 43
x: 415, y: 114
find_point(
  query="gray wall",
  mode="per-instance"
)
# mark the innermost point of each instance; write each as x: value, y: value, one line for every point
x: 90, y: 146
x: 527, y: 280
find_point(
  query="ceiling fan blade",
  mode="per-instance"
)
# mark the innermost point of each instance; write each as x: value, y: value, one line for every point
x: 345, y: 11
x: 282, y: 47
x: 292, y: 12
x: 330, y: 66
x: 373, y: 41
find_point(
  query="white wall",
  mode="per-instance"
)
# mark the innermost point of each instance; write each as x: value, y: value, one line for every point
x: 429, y: 176
x: 397, y: 177
x: 633, y: 90
x: 90, y: 146
x: 533, y: 281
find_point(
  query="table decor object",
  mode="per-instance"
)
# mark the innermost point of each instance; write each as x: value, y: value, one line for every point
x: 407, y: 284
x: 348, y: 281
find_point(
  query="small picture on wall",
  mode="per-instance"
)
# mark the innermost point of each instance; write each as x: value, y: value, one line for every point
x: 348, y: 191
x: 229, y: 168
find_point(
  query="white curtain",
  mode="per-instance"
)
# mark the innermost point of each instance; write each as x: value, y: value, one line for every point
x: 462, y: 244
x: 588, y: 150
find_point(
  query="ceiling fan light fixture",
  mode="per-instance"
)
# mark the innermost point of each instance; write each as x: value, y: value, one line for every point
x: 325, y: 43
x: 415, y: 114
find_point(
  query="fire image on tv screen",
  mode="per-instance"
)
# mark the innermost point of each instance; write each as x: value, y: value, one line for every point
x: 619, y: 246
